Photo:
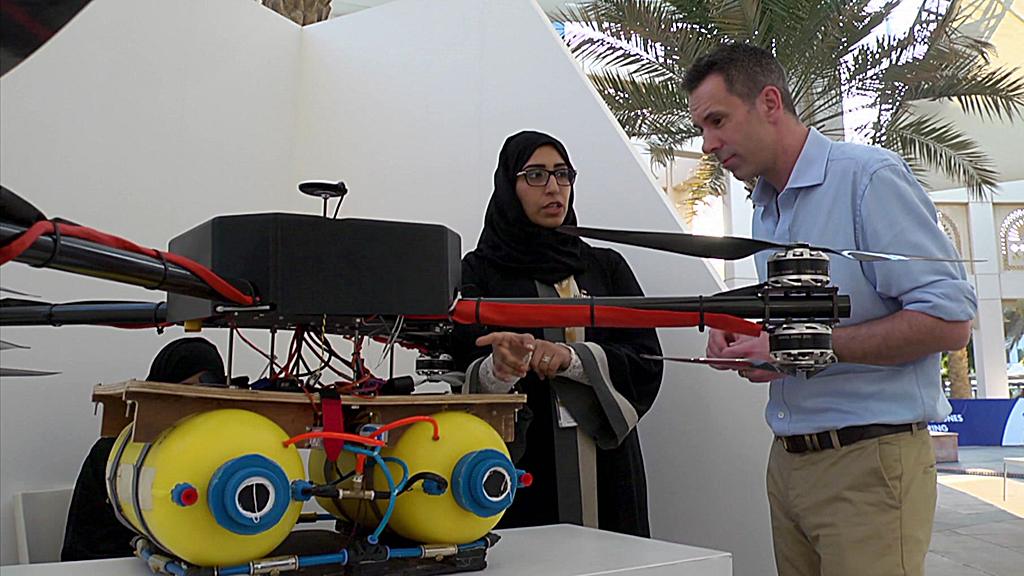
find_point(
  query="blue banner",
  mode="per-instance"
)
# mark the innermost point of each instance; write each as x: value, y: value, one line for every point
x: 984, y: 422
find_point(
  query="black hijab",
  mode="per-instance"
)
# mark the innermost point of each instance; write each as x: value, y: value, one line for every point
x: 509, y: 239
x: 186, y: 357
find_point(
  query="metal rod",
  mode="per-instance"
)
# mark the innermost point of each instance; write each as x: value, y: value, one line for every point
x: 231, y: 351
x: 273, y: 351
x: 99, y: 261
x: 72, y: 313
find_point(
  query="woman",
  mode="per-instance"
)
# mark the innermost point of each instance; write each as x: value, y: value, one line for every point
x: 93, y: 531
x: 593, y: 376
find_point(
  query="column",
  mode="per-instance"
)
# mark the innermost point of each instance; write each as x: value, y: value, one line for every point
x: 989, y: 354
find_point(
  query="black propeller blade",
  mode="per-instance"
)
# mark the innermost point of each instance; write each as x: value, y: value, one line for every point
x: 2, y: 289
x: 18, y: 372
x: 28, y: 24
x: 723, y: 247
x: 5, y: 345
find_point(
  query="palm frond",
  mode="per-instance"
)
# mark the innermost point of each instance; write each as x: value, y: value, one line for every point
x: 992, y: 93
x: 646, y: 109
x: 636, y: 52
x: 635, y: 30
x: 706, y: 180
x: 937, y: 143
x: 603, y: 52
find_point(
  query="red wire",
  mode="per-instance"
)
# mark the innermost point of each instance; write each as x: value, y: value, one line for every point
x: 566, y: 315
x: 326, y: 363
x: 336, y: 436
x: 361, y: 459
x: 14, y: 249
x: 286, y: 369
x: 408, y: 420
x: 254, y: 346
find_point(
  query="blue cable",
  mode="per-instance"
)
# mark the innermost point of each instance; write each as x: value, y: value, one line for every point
x: 340, y: 558
x: 375, y: 537
x: 481, y: 543
x: 416, y: 552
x: 405, y: 470
x: 170, y: 566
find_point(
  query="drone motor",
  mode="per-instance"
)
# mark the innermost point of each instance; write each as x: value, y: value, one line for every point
x: 434, y: 364
x: 804, y: 347
x: 799, y: 266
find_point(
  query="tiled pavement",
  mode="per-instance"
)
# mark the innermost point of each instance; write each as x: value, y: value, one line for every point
x: 972, y: 537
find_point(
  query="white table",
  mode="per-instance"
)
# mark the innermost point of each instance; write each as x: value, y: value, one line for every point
x: 1009, y: 460
x: 546, y: 550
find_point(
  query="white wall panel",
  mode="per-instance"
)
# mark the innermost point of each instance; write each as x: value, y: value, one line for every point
x: 184, y: 110
x: 140, y: 118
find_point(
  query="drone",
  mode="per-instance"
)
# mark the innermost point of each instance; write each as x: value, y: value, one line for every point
x: 440, y: 485
x: 398, y: 282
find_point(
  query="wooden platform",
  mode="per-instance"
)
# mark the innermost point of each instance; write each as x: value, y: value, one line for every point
x: 154, y: 406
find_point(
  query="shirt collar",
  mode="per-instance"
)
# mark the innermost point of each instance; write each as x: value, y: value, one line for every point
x: 808, y: 171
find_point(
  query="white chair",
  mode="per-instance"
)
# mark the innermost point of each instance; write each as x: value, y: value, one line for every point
x: 39, y: 520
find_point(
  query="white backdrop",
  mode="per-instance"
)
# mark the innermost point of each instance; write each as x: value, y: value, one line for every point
x: 145, y: 118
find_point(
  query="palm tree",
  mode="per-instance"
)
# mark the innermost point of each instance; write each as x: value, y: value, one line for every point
x: 1013, y: 323
x: 301, y: 12
x: 637, y: 52
x: 959, y: 374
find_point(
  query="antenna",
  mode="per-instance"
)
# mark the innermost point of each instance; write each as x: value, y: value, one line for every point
x: 325, y: 191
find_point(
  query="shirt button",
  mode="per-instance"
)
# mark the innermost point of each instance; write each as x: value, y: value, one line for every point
x: 782, y: 414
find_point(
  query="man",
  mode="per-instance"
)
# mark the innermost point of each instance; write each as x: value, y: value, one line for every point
x: 851, y: 474
x: 93, y: 532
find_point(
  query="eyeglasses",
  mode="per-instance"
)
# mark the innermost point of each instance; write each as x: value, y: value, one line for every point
x: 540, y: 177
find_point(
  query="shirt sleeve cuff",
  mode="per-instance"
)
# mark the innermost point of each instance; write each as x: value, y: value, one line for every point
x: 949, y: 300
x: 575, y: 369
x: 490, y: 383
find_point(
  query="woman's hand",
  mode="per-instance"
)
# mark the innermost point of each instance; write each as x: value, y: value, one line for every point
x: 550, y: 358
x: 516, y: 354
x: 510, y: 353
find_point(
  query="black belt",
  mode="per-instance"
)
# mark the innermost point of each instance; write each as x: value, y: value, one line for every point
x: 844, y: 436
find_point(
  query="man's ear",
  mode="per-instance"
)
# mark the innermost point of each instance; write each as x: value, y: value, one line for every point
x: 770, y: 102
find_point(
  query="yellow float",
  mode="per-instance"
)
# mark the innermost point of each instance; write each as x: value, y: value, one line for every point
x: 213, y: 489
x: 466, y: 480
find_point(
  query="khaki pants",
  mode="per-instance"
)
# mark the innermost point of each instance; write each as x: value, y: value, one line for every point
x: 864, y: 509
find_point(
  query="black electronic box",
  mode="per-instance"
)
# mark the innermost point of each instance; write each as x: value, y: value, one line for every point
x: 304, y: 267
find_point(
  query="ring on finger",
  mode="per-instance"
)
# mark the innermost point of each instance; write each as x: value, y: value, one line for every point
x: 545, y: 359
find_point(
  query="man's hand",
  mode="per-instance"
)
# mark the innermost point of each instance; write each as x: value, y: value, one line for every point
x: 511, y: 353
x: 718, y: 341
x: 749, y: 348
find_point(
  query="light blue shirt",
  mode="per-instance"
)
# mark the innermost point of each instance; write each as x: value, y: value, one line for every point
x: 844, y: 195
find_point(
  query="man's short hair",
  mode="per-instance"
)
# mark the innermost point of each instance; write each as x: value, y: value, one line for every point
x: 746, y: 71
